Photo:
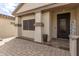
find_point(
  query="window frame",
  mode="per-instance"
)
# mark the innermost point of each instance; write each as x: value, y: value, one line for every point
x: 30, y: 24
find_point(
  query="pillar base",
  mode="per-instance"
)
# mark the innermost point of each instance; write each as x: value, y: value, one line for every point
x: 73, y: 45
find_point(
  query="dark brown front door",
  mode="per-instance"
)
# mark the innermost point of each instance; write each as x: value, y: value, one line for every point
x: 63, y: 25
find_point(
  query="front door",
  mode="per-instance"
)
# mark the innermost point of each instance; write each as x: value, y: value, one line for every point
x: 63, y: 25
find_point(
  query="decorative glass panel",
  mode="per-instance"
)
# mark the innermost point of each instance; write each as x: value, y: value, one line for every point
x: 63, y: 24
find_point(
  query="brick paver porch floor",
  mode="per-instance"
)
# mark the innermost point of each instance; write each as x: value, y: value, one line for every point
x: 20, y: 47
x: 59, y: 43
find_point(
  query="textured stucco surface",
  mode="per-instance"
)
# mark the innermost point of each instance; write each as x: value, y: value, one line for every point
x: 6, y: 28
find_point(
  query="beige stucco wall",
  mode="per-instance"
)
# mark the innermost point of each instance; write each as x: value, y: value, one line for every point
x: 29, y: 6
x: 46, y: 19
x: 45, y: 22
x: 6, y: 28
x: 27, y: 33
x: 53, y: 25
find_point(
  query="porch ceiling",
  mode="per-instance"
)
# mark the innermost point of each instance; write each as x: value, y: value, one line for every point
x: 68, y: 6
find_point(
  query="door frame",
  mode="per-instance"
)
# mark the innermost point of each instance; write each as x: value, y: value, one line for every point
x: 57, y: 21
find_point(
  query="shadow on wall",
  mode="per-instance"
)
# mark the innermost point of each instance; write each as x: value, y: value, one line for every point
x: 5, y: 40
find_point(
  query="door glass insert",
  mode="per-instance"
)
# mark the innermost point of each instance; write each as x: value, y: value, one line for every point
x: 63, y: 24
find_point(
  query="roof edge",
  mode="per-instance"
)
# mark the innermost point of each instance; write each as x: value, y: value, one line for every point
x: 17, y: 8
x: 41, y: 8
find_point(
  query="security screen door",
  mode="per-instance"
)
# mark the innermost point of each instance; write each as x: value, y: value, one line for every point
x: 63, y: 25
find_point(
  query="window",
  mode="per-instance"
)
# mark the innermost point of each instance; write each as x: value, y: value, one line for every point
x: 29, y: 24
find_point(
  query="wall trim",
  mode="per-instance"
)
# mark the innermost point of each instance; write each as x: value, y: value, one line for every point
x: 17, y: 25
x: 39, y: 24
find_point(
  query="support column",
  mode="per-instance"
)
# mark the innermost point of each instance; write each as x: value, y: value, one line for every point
x: 73, y: 45
x: 38, y: 27
x: 18, y: 26
x: 73, y: 39
x: 49, y: 25
x: 77, y: 29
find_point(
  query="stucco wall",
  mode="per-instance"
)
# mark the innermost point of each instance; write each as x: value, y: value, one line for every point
x: 6, y: 28
x: 53, y: 25
x: 45, y: 22
x: 29, y: 6
x: 46, y: 19
x: 27, y: 33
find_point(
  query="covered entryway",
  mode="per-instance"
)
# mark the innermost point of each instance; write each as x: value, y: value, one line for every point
x: 61, y: 25
x: 63, y: 31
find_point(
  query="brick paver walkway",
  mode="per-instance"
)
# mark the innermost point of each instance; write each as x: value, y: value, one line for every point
x: 20, y: 47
